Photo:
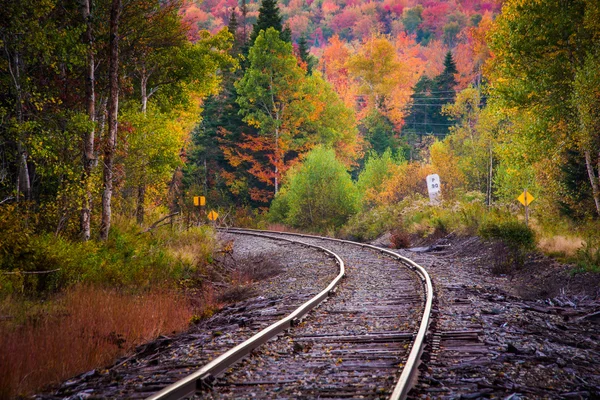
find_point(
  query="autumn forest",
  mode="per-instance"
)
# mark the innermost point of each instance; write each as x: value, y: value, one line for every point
x: 316, y: 115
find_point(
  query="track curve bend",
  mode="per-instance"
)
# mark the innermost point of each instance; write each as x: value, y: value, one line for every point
x: 364, y: 342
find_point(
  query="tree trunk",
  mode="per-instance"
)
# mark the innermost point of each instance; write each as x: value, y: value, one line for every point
x: 23, y: 180
x: 144, y: 90
x: 113, y: 110
x: 489, y: 180
x: 89, y: 158
x: 276, y: 160
x: 102, y: 115
x: 593, y: 178
x: 140, y: 211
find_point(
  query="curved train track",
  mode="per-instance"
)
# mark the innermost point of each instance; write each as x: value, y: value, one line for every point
x: 365, y: 341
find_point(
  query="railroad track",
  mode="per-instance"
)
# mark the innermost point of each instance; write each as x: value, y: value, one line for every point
x: 363, y: 342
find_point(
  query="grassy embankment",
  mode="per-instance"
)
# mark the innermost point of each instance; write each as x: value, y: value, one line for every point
x: 96, y: 301
x: 413, y: 218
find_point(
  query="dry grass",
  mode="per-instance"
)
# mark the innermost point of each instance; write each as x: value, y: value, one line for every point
x: 86, y: 328
x: 194, y: 246
x: 282, y: 228
x: 238, y: 274
x: 561, y: 245
x: 399, y: 239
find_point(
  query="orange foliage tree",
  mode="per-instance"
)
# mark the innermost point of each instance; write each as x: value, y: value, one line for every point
x: 293, y: 113
x: 335, y: 69
x: 383, y: 77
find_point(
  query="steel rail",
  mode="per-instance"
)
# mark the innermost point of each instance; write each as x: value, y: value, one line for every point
x: 410, y: 370
x: 190, y: 384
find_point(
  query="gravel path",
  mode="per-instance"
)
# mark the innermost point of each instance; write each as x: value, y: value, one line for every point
x: 352, y: 346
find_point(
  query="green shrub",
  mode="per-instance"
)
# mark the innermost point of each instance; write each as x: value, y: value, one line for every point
x: 280, y: 207
x: 471, y: 216
x: 373, y: 178
x: 514, y: 234
x: 371, y: 224
x: 127, y: 259
x: 588, y: 256
x: 512, y: 240
x: 16, y: 230
x: 319, y: 195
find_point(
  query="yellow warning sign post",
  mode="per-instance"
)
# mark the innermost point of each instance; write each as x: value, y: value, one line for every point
x: 199, y: 201
x: 526, y: 199
x: 213, y: 215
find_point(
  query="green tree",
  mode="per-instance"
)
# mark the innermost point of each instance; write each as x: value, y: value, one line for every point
x: 269, y: 94
x: 372, y: 180
x: 152, y: 149
x: 586, y: 98
x: 268, y: 17
x: 58, y: 70
x: 429, y: 96
x: 177, y: 67
x: 319, y: 195
x: 328, y: 121
x: 445, y: 83
x: 545, y: 62
x: 207, y: 170
x: 412, y: 18
x: 303, y: 51
x: 468, y: 140
x: 378, y: 131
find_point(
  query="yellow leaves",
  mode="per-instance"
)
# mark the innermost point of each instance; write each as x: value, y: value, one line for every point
x: 445, y: 163
x: 379, y: 74
x: 253, y: 122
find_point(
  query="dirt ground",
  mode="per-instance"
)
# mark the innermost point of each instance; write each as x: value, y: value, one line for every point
x: 526, y: 332
x: 540, y: 277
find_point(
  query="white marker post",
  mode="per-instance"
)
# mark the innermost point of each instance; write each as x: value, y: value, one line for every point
x: 434, y: 189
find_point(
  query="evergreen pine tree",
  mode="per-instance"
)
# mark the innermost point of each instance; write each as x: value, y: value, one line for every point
x: 233, y: 23
x: 444, y: 84
x: 221, y: 125
x: 244, y: 10
x: 425, y: 116
x: 268, y: 17
x: 233, y: 26
x: 305, y: 56
x: 420, y: 116
x: 446, y: 81
x: 286, y: 34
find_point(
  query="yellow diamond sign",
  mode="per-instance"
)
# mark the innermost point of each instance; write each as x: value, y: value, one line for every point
x: 525, y: 198
x: 213, y: 215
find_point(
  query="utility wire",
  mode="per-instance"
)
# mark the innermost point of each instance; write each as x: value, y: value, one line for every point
x: 408, y: 124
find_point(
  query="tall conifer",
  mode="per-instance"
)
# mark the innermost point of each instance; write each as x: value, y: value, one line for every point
x: 425, y: 116
x: 446, y: 81
x: 305, y: 56
x: 268, y: 17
